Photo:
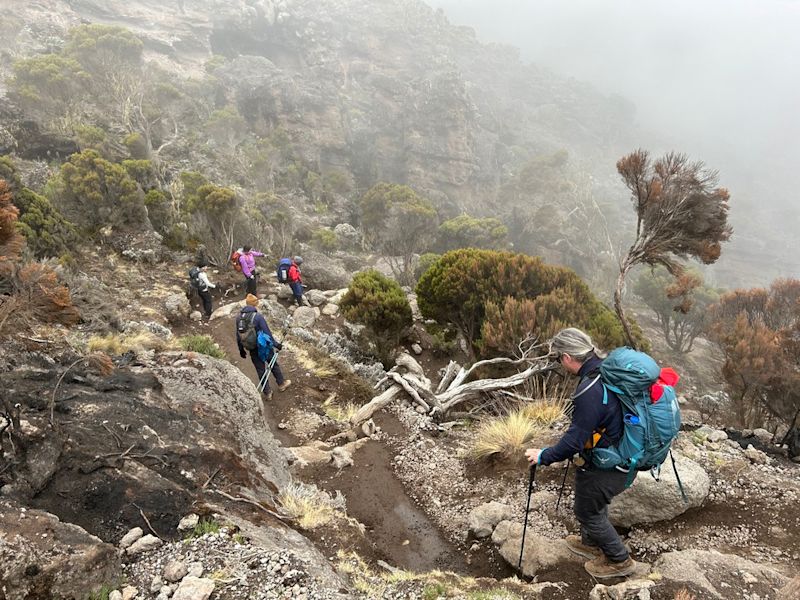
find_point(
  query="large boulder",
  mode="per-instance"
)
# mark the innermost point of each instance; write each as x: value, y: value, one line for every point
x: 315, y: 297
x: 540, y: 553
x: 483, y: 519
x: 41, y: 557
x: 324, y: 272
x: 305, y: 316
x: 177, y: 308
x: 718, y: 574
x: 649, y: 501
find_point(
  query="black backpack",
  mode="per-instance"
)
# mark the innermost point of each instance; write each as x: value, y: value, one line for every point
x: 194, y: 277
x: 246, y: 327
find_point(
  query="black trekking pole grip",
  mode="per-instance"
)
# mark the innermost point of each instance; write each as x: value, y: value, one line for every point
x: 527, y: 510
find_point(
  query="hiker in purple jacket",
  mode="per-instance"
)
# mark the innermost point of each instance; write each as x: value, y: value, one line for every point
x: 248, y: 261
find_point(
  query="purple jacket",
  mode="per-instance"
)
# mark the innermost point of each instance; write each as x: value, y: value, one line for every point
x: 248, y: 261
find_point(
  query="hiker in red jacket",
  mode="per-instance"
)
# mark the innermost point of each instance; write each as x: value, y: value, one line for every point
x: 296, y: 280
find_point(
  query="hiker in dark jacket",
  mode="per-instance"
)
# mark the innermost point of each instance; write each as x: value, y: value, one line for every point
x: 204, y: 287
x: 260, y: 324
x: 594, y: 424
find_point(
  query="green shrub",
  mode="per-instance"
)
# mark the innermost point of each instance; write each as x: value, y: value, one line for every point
x: 202, y: 344
x: 466, y: 231
x: 496, y: 298
x: 159, y: 211
x: 380, y: 304
x: 136, y: 145
x: 424, y: 263
x: 203, y: 527
x: 325, y: 240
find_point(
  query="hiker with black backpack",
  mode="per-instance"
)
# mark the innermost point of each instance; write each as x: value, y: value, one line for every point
x: 249, y: 324
x: 198, y: 277
x: 596, y: 423
x: 288, y: 272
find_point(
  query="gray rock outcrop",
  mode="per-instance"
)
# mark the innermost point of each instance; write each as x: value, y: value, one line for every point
x: 649, y: 501
x: 714, y: 572
x: 41, y: 557
x: 483, y: 519
x: 540, y: 553
x: 177, y: 308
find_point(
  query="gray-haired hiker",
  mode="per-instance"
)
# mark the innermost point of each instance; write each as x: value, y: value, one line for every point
x: 596, y: 423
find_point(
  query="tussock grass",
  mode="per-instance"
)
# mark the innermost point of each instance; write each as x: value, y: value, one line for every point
x: 310, y: 506
x: 116, y: 344
x: 506, y: 435
x: 684, y: 594
x: 202, y: 344
x: 341, y: 413
x: 546, y: 412
x: 494, y: 594
x: 203, y: 527
x: 320, y: 365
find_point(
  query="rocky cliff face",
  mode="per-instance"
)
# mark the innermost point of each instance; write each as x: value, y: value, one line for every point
x: 389, y: 92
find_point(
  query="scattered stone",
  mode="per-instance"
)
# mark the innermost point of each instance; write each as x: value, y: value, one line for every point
x: 194, y: 588
x: 341, y: 458
x: 330, y: 309
x: 188, y: 522
x: 196, y: 569
x: 145, y: 544
x: 791, y: 591
x: 756, y: 456
x: 416, y: 349
x: 305, y: 316
x: 315, y: 297
x: 156, y: 584
x: 115, y: 595
x: 483, y: 519
x: 711, y: 434
x: 764, y: 436
x: 130, y: 537
x: 129, y: 592
x: 649, y: 501
x: 175, y: 571
x: 634, y: 589
x: 196, y: 315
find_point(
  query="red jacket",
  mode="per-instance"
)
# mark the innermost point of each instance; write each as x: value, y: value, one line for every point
x: 294, y: 274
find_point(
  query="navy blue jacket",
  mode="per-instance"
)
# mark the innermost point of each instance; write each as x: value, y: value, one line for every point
x: 589, y: 415
x: 259, y: 322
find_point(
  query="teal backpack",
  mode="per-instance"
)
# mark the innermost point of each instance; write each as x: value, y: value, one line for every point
x: 651, y: 414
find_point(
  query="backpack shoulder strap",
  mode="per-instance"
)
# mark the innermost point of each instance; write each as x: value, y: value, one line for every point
x: 595, y: 380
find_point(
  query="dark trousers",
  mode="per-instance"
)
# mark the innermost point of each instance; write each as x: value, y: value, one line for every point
x: 261, y: 366
x: 205, y: 296
x: 594, y: 490
x: 297, y: 292
x: 251, y: 285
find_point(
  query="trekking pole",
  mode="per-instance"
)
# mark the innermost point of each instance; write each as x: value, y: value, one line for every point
x: 263, y: 381
x: 527, y: 510
x: 563, y: 483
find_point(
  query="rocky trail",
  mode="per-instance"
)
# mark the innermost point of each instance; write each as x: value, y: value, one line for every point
x: 176, y: 461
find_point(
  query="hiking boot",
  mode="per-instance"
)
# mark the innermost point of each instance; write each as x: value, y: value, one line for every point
x: 267, y: 396
x: 576, y: 546
x: 282, y: 387
x: 602, y: 568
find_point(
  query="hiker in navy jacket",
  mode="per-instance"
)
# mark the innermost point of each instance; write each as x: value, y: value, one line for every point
x: 260, y: 324
x: 596, y: 422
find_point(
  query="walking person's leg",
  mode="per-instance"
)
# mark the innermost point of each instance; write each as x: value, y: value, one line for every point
x: 594, y: 490
x: 261, y: 368
x: 250, y: 286
x: 205, y: 296
x: 297, y: 292
x: 282, y: 382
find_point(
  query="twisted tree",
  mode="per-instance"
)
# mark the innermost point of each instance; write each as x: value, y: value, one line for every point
x: 680, y: 214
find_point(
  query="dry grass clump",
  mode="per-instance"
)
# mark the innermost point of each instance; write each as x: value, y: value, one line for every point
x: 314, y: 361
x: 309, y: 506
x: 546, y: 412
x: 116, y: 344
x: 684, y: 594
x: 506, y: 435
x: 341, y: 413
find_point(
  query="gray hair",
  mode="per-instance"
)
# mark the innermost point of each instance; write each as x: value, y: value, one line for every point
x: 574, y: 342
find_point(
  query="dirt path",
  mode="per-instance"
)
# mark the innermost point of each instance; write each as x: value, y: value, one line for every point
x: 398, y: 532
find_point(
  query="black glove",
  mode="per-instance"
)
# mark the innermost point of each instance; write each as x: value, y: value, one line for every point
x: 277, y: 345
x: 242, y: 353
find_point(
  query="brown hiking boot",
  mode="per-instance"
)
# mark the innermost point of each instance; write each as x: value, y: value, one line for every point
x: 284, y: 385
x: 267, y: 396
x: 602, y: 568
x: 576, y: 546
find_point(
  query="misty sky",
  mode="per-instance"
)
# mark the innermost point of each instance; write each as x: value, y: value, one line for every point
x: 720, y: 77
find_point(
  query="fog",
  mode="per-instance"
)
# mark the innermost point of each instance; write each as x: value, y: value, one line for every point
x: 718, y: 79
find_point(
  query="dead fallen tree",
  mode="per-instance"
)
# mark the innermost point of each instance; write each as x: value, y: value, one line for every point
x: 407, y: 377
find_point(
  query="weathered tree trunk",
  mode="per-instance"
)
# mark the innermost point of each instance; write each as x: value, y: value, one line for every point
x: 453, y: 390
x: 623, y: 272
